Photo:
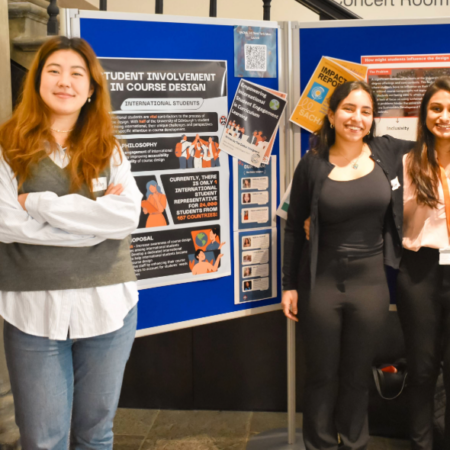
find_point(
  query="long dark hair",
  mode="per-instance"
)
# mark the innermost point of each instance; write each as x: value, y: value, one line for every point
x: 325, y: 137
x: 421, y: 164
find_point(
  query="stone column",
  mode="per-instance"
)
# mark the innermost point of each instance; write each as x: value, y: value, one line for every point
x: 5, y: 64
x: 9, y: 433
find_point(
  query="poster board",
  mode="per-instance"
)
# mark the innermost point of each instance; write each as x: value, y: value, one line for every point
x: 367, y: 37
x: 122, y: 35
x: 351, y: 40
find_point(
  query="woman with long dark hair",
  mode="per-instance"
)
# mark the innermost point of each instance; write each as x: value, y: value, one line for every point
x: 68, y: 294
x: 423, y: 284
x: 349, y: 183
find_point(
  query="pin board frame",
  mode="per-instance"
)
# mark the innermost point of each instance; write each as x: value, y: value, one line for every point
x: 112, y: 34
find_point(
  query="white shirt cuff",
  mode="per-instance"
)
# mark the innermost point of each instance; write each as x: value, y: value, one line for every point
x: 32, y: 204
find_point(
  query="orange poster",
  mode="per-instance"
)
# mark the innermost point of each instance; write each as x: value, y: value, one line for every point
x: 313, y: 104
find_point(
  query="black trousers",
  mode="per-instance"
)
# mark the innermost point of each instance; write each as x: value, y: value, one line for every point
x: 423, y: 300
x: 340, y: 324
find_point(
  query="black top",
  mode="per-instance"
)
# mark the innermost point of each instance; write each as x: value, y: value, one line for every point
x: 351, y: 213
x: 309, y: 177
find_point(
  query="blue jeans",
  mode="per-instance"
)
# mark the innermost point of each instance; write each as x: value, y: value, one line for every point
x: 69, y: 387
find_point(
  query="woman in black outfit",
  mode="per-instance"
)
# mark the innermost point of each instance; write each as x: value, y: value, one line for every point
x: 423, y: 283
x: 350, y: 184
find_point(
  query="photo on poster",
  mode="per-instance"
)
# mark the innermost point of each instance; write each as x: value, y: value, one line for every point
x: 169, y: 115
x: 255, y: 263
x: 256, y: 256
x: 399, y: 82
x: 255, y: 198
x: 246, y: 183
x: 252, y: 122
x: 255, y: 216
x: 257, y: 241
x: 254, y: 195
x: 261, y: 270
x: 255, y: 52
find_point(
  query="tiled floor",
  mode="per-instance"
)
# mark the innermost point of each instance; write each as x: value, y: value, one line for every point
x: 139, y: 429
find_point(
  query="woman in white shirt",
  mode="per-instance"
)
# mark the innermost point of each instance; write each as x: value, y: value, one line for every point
x: 68, y: 204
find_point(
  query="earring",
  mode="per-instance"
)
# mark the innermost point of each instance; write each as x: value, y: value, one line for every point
x: 331, y: 126
x: 368, y: 134
x: 89, y: 100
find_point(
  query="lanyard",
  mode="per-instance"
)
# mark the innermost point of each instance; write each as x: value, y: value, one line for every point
x: 443, y: 177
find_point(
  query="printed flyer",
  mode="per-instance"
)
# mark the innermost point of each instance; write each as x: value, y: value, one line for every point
x: 399, y: 82
x: 253, y: 120
x: 255, y: 52
x: 255, y: 264
x: 266, y: 157
x: 313, y: 104
x: 255, y: 195
x: 170, y: 114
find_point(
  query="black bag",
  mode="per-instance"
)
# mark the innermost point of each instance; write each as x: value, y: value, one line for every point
x: 388, y: 384
x: 388, y: 409
x: 390, y: 388
x: 390, y: 418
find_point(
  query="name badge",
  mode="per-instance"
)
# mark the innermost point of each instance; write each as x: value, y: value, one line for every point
x: 444, y: 256
x: 100, y: 184
x: 395, y: 183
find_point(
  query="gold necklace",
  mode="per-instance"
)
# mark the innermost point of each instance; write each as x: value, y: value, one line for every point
x: 61, y: 131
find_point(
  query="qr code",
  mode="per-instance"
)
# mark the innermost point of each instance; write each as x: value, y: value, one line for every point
x: 256, y: 57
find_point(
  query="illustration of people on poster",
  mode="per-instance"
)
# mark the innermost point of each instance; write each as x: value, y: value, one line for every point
x: 170, y: 114
x: 255, y: 231
x: 399, y: 82
x: 253, y: 120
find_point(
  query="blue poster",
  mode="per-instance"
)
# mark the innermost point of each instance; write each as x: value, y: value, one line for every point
x: 254, y: 195
x: 255, y: 277
x: 255, y: 52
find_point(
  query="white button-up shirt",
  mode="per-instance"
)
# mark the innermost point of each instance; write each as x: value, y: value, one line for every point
x: 69, y: 221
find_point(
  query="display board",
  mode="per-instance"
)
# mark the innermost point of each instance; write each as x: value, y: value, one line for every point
x: 353, y: 39
x: 134, y: 49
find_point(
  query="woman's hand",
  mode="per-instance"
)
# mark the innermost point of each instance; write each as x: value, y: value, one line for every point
x: 289, y: 301
x: 114, y: 189
x: 306, y: 227
x: 22, y: 199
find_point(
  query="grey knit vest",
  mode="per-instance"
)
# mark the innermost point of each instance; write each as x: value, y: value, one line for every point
x: 26, y: 267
